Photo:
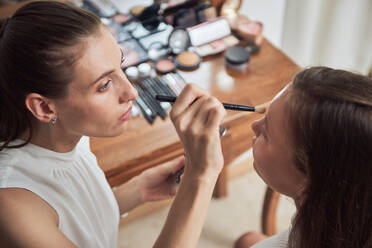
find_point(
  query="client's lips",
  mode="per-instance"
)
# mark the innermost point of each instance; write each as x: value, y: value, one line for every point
x: 126, y: 115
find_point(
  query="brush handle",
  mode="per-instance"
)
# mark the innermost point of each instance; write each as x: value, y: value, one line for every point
x: 229, y: 106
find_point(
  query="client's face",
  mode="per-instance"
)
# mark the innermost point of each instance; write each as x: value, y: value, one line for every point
x: 100, y: 96
x: 271, y: 150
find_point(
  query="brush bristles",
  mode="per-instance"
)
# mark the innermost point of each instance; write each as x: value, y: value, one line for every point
x: 260, y: 109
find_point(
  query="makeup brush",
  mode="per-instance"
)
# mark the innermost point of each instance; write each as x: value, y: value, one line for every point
x: 258, y: 109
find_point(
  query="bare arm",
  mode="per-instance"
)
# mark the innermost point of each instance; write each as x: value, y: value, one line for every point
x: 28, y: 221
x: 197, y: 117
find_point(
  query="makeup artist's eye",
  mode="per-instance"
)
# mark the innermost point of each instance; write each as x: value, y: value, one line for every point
x: 104, y: 87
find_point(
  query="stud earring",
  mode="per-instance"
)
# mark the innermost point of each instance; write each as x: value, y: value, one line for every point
x: 53, y: 120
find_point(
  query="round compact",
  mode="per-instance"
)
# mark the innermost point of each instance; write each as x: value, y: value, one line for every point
x: 188, y: 60
x: 237, y: 58
x: 164, y: 66
x: 178, y: 40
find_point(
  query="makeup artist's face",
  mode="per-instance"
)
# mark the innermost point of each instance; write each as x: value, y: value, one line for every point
x: 100, y: 96
x: 271, y: 150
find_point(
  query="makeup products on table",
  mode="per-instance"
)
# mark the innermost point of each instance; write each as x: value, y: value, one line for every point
x: 160, y: 36
x: 163, y: 66
x: 188, y: 60
x: 100, y: 7
x: 209, y: 31
x: 178, y: 40
x: 229, y: 106
x: 212, y: 37
x: 217, y: 46
x: 144, y: 70
x: 132, y: 73
x: 137, y: 10
x: 134, y: 53
x: 237, y: 58
x: 169, y: 84
x: 251, y: 31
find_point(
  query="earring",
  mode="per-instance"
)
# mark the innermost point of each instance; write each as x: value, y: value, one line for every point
x: 53, y: 120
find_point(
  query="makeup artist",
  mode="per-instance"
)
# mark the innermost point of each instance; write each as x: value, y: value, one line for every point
x: 61, y: 81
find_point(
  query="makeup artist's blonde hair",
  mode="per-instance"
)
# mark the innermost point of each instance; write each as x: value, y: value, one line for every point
x: 331, y: 123
x: 36, y: 57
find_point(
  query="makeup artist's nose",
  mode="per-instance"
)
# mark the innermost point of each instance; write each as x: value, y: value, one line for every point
x: 127, y: 91
x: 256, y: 126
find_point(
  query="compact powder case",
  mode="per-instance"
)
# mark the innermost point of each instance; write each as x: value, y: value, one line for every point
x: 237, y: 58
x: 188, y: 60
x: 164, y: 66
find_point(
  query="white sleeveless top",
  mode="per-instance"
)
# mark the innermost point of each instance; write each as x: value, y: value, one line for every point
x: 279, y: 240
x: 73, y: 184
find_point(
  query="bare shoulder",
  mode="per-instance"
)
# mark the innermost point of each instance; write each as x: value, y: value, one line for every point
x: 26, y: 220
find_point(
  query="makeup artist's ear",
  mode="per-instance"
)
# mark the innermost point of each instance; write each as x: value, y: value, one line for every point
x: 40, y: 107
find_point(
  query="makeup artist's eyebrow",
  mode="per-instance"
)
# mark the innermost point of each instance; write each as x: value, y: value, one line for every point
x: 105, y: 74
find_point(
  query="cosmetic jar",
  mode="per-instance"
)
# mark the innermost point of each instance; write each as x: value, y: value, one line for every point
x: 237, y: 58
x: 132, y: 73
x: 144, y: 70
x: 188, y: 60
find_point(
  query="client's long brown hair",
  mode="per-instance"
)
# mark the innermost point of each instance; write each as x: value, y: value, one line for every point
x: 331, y: 119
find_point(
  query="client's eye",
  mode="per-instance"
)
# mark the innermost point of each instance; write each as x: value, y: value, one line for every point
x: 104, y: 87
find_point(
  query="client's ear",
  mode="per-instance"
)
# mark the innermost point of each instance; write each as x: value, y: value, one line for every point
x: 40, y: 107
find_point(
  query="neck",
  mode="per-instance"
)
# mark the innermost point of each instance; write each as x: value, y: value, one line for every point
x: 52, y: 137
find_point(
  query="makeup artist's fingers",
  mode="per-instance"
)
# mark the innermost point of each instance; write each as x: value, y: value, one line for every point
x: 209, y: 118
x: 216, y: 115
x: 184, y: 119
x: 201, y: 139
x: 188, y: 95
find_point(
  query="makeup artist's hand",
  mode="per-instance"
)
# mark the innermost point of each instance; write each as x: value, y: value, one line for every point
x: 158, y: 183
x: 197, y: 116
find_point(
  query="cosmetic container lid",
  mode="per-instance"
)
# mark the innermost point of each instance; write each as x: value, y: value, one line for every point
x: 132, y: 73
x: 237, y: 55
x: 144, y: 70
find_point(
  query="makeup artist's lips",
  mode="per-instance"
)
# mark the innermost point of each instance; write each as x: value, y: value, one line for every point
x: 126, y: 115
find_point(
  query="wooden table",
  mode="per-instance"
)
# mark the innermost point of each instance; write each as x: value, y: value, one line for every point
x: 143, y: 145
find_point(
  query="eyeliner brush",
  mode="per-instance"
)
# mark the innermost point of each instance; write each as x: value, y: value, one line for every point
x: 258, y: 109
